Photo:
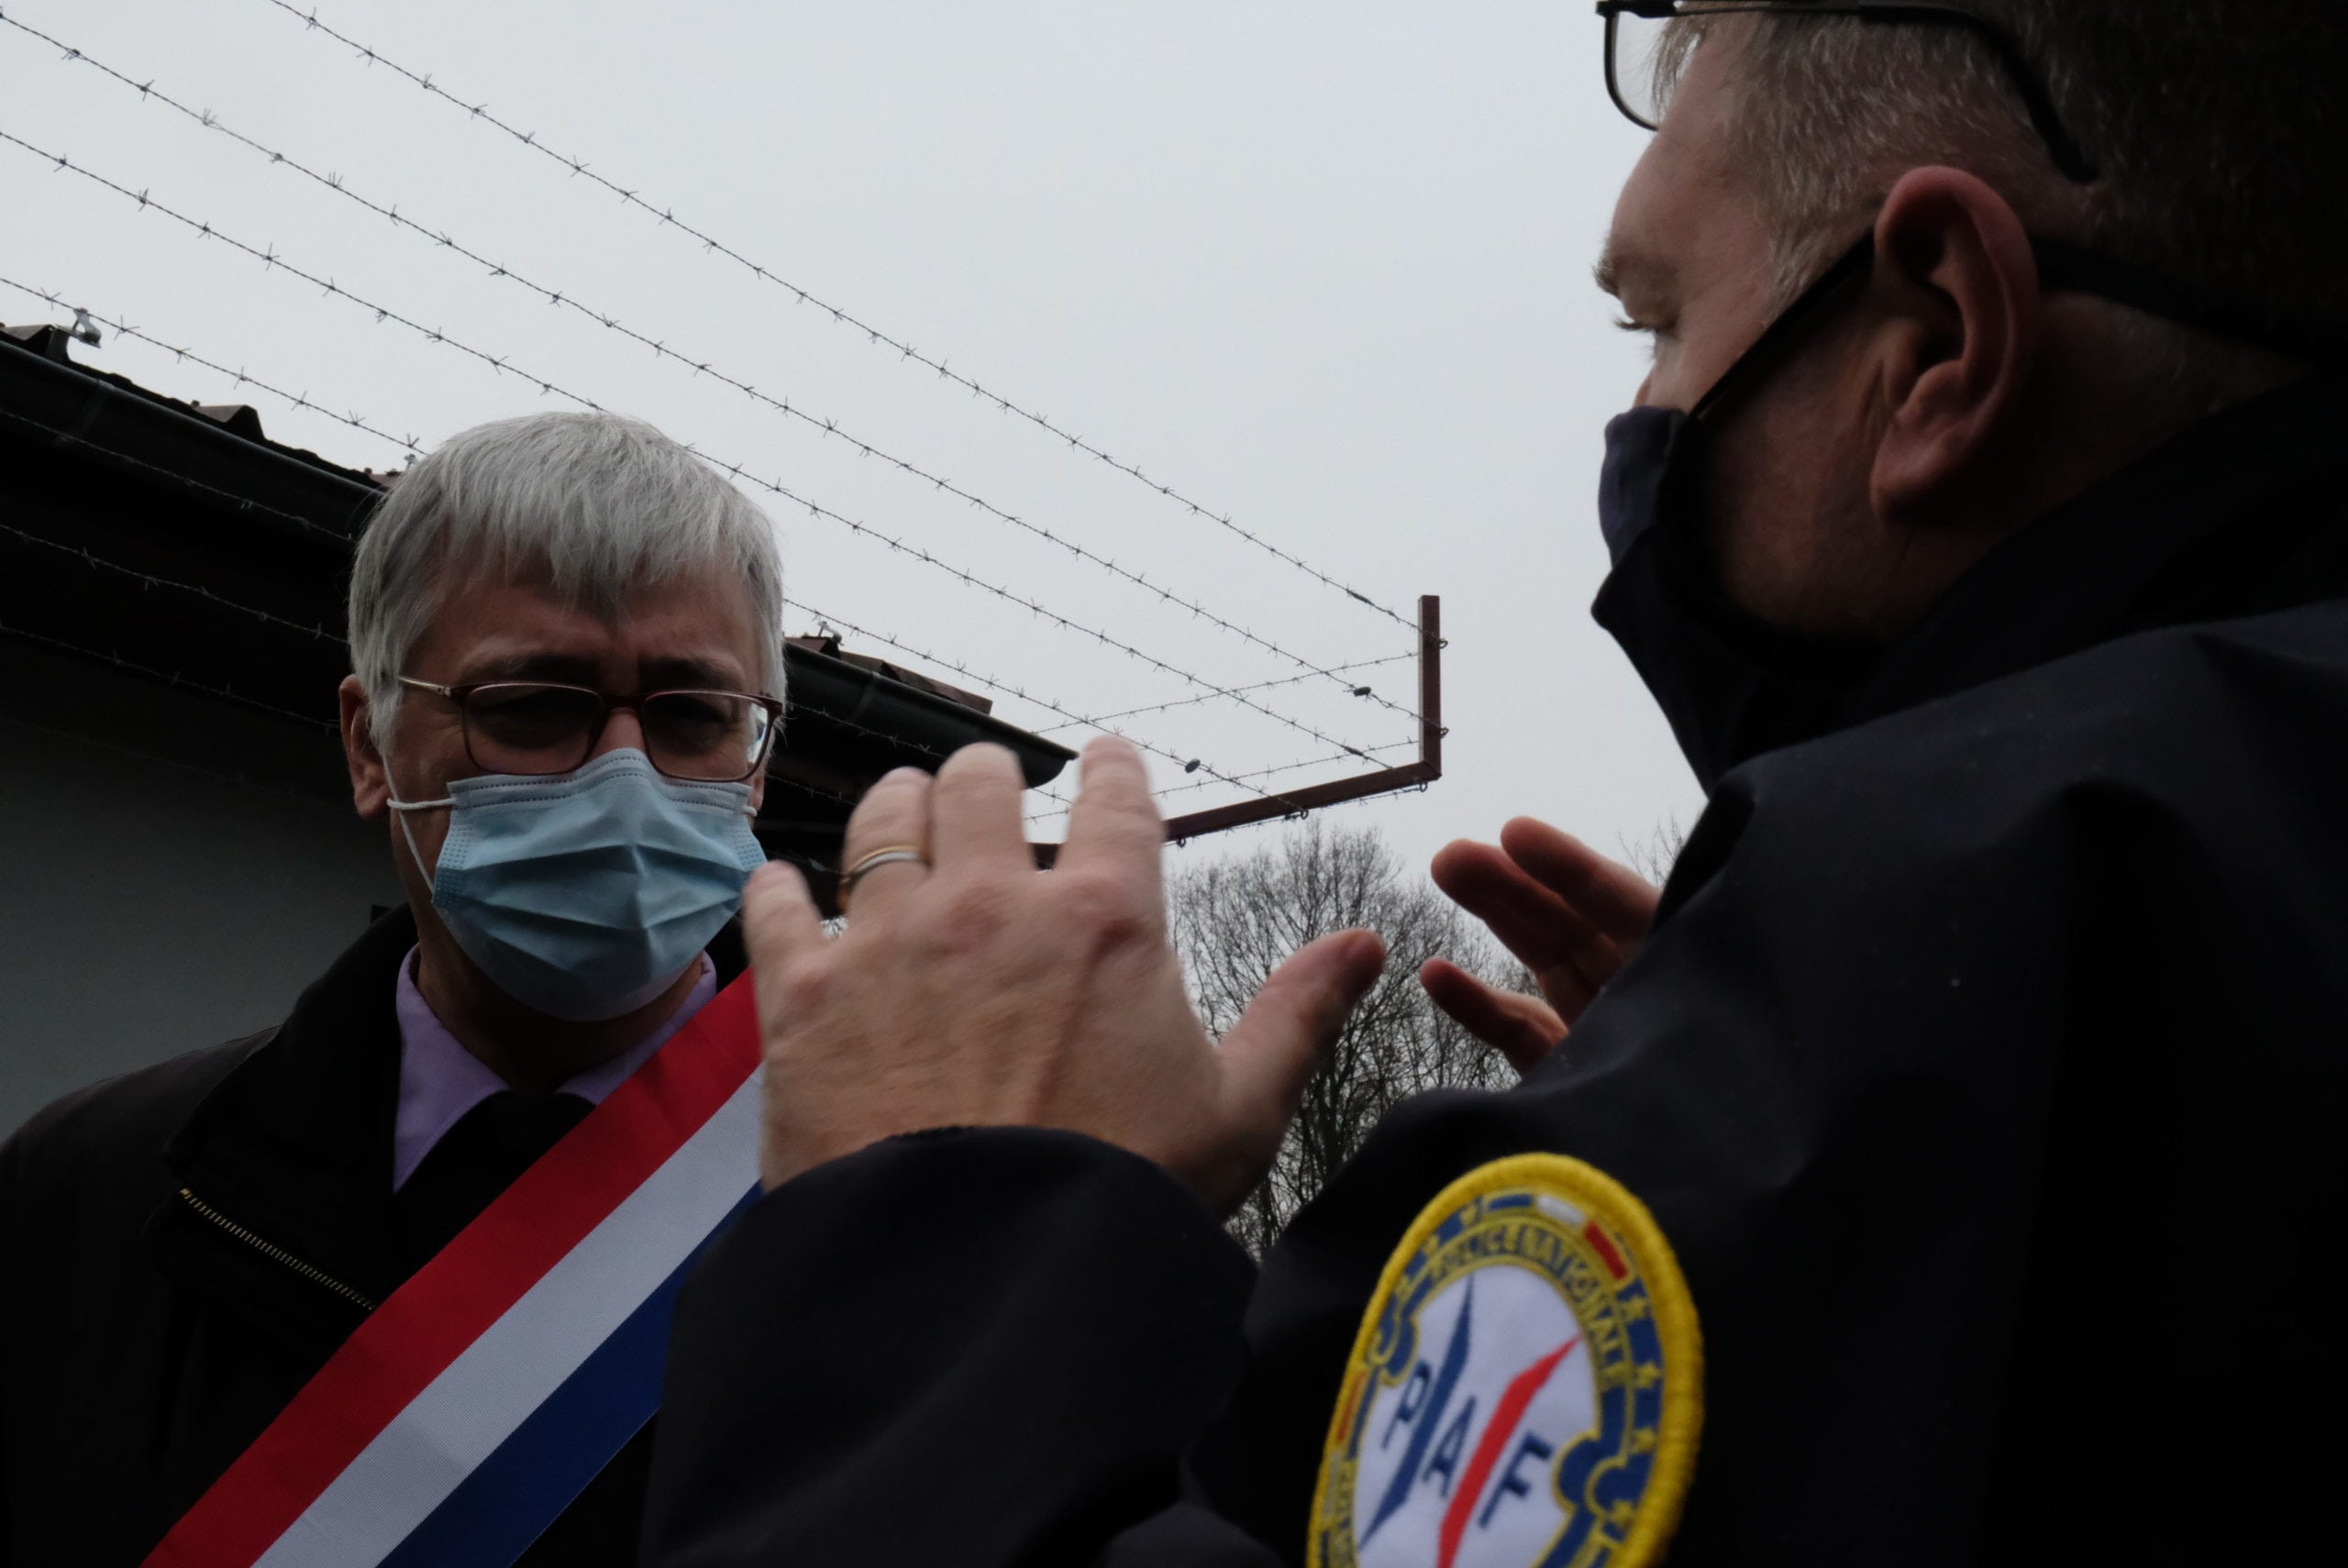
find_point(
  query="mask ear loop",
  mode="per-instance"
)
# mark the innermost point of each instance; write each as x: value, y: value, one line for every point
x: 402, y: 808
x: 1793, y: 322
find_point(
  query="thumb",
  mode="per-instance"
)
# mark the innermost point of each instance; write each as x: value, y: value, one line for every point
x: 1269, y: 1055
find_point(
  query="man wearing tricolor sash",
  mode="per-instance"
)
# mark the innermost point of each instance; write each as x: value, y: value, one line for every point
x: 390, y: 1283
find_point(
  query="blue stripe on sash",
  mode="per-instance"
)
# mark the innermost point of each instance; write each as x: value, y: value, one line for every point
x: 540, y: 1469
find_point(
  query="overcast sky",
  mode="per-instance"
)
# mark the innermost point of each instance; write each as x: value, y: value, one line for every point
x: 1320, y: 265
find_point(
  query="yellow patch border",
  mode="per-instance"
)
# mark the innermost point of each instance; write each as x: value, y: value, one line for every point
x: 1602, y: 1199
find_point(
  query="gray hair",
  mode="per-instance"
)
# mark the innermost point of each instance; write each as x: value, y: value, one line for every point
x: 2219, y: 126
x: 600, y: 504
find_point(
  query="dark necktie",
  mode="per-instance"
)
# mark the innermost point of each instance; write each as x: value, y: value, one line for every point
x: 477, y: 1159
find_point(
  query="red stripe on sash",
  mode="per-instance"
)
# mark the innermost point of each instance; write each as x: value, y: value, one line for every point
x: 467, y: 1286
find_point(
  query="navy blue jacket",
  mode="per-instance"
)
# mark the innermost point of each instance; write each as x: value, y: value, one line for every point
x: 1987, y: 1071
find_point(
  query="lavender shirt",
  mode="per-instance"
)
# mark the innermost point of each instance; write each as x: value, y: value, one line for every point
x: 440, y: 1080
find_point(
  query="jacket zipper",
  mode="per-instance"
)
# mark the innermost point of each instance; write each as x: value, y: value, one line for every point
x: 276, y: 1254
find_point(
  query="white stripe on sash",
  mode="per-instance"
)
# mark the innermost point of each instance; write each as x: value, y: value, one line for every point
x: 479, y: 1399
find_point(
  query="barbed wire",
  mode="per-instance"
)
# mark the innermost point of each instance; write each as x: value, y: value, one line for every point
x: 778, y: 780
x: 1009, y: 689
x: 906, y: 350
x: 241, y: 502
x: 822, y: 616
x: 906, y: 743
x: 502, y: 364
x: 1297, y: 766
x: 1259, y: 686
x: 1298, y: 815
x: 821, y: 793
x: 309, y: 721
x: 826, y: 426
x: 148, y: 579
x: 238, y: 376
x: 170, y: 677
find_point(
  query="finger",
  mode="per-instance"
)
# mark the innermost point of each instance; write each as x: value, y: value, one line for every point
x: 1113, y: 823
x: 1270, y: 1055
x: 893, y: 815
x: 782, y: 930
x: 780, y: 924
x: 1613, y: 897
x: 974, y: 812
x: 1522, y: 1028
x: 1570, y: 957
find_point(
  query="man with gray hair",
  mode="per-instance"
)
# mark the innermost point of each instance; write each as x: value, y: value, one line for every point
x: 389, y: 1282
x: 1942, y: 1169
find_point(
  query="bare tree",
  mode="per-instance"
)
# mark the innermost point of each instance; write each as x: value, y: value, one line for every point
x: 1654, y: 855
x: 1236, y: 921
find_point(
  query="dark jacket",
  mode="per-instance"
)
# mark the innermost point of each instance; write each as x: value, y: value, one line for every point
x: 187, y: 1245
x: 1988, y: 1070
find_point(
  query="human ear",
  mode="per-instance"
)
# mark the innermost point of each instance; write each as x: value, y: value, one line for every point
x: 370, y: 779
x: 1958, y: 281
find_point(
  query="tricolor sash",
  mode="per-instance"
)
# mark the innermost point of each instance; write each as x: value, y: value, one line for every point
x: 476, y: 1403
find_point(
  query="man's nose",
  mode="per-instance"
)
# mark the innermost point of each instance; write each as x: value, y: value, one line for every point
x: 622, y: 731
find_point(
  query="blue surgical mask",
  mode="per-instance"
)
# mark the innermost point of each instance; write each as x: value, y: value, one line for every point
x: 585, y: 894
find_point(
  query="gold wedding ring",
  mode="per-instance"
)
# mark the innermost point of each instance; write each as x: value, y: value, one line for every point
x: 891, y: 855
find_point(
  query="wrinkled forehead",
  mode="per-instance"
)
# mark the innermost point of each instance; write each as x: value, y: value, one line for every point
x: 1647, y: 55
x: 1668, y: 64
x: 525, y: 610
x: 1687, y: 192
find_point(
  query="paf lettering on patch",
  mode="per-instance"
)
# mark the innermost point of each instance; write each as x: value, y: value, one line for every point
x: 1526, y: 1388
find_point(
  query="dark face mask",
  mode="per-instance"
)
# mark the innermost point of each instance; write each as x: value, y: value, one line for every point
x: 1732, y: 686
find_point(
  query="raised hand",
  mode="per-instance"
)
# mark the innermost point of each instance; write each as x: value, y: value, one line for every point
x: 1570, y: 915
x: 975, y: 990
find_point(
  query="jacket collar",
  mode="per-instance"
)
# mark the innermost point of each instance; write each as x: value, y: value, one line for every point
x: 2240, y: 514
x: 295, y: 1143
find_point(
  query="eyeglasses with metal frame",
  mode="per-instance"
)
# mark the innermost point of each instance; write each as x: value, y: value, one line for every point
x: 1634, y: 31
x: 539, y: 727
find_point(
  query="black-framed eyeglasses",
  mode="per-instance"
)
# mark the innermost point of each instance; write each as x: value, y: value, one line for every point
x: 1640, y: 86
x: 542, y: 726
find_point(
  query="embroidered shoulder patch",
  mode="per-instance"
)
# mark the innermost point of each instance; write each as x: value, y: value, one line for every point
x: 1527, y: 1387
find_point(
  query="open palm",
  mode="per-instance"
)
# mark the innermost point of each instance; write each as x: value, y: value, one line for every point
x: 1570, y: 915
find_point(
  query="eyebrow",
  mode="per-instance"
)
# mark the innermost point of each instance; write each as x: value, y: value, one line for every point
x: 690, y: 673
x: 574, y: 669
x: 1617, y: 267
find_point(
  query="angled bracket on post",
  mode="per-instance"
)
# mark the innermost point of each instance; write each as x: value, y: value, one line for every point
x: 1361, y: 786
